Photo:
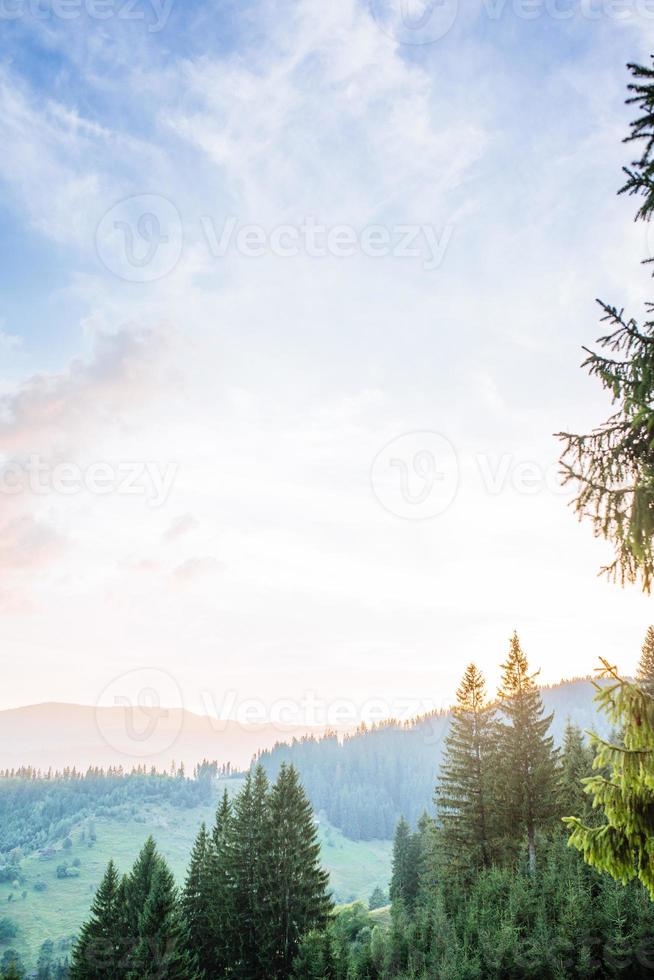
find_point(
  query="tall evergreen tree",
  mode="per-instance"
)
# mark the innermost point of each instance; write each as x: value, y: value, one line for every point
x: 624, y: 845
x: 99, y: 950
x: 225, y: 938
x: 248, y: 855
x: 138, y: 885
x: 527, y: 757
x: 405, y: 873
x: 467, y: 774
x: 613, y: 465
x: 162, y: 951
x: 296, y: 893
x: 645, y: 674
x: 576, y: 765
x: 197, y: 904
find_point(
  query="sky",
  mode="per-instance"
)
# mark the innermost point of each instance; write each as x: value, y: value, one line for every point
x: 292, y: 300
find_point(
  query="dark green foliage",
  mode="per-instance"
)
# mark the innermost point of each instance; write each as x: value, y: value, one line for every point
x: 314, y: 959
x: 197, y: 901
x: 405, y: 877
x: 222, y: 892
x: 527, y: 775
x: 138, y: 885
x: 464, y: 795
x: 162, y: 951
x: 99, y: 951
x: 253, y: 892
x: 248, y: 856
x: 563, y: 922
x: 136, y: 929
x: 296, y: 898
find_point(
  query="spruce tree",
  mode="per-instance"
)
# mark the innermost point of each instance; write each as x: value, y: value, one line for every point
x: 99, y: 950
x: 296, y: 893
x: 405, y: 874
x: 248, y: 855
x: 576, y: 765
x: 162, y: 951
x: 623, y: 845
x: 138, y: 885
x: 197, y: 904
x: 645, y: 674
x: 528, y: 761
x: 613, y: 464
x: 226, y: 941
x: 465, y: 787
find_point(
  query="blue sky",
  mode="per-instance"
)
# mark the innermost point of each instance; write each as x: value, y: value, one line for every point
x: 270, y: 383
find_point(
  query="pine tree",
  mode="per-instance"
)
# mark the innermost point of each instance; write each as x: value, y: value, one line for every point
x: 226, y: 941
x: 162, y: 951
x: 99, y: 950
x: 296, y: 893
x: 613, y: 465
x: 576, y: 765
x: 197, y: 904
x: 464, y: 791
x: 645, y: 674
x: 527, y: 758
x: 138, y: 885
x: 405, y: 875
x: 313, y: 960
x: 248, y: 855
x: 624, y: 845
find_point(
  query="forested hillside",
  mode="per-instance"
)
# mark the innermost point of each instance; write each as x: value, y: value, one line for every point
x: 366, y: 781
x: 37, y: 810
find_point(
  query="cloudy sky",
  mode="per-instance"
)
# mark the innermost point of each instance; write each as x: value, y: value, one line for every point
x: 292, y: 301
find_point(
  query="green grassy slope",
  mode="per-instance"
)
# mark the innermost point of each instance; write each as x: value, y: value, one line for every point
x: 57, y: 912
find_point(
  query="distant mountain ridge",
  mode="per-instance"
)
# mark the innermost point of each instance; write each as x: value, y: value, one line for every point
x: 58, y: 735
